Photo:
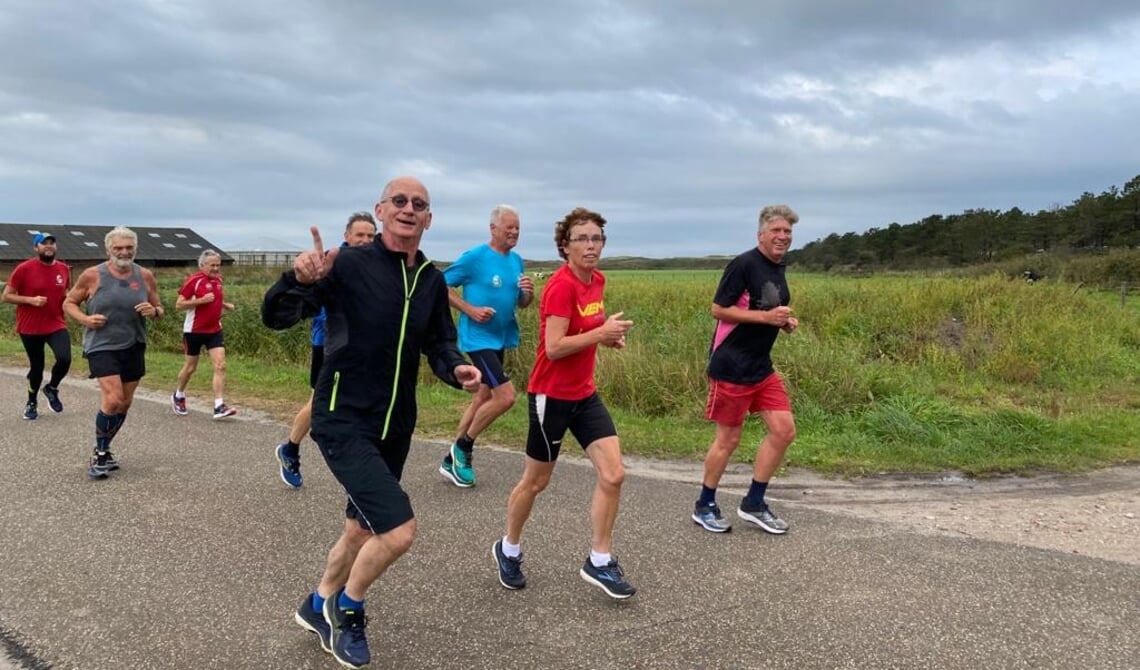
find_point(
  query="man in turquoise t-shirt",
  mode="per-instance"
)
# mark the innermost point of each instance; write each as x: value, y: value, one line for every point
x: 494, y: 285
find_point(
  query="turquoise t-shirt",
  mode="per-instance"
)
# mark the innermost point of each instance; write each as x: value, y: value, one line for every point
x: 488, y: 279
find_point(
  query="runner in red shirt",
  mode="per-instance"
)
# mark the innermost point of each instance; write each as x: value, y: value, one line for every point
x: 562, y: 397
x: 202, y: 298
x: 37, y: 288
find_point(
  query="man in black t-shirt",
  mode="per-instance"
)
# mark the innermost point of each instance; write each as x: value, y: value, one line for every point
x: 751, y: 308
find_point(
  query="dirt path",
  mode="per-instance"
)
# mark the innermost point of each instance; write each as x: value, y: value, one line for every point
x: 1095, y: 514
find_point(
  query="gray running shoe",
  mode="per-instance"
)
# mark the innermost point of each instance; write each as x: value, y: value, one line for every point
x: 710, y: 518
x: 762, y: 516
x: 99, y: 467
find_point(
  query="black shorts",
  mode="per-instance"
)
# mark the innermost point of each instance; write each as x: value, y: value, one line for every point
x: 588, y: 420
x: 490, y: 364
x: 192, y: 343
x: 128, y: 364
x: 315, y: 365
x: 368, y: 467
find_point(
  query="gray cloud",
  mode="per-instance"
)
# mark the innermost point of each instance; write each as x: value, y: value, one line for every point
x: 256, y: 119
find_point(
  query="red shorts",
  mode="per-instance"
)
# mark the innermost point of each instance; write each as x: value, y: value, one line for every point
x: 729, y: 403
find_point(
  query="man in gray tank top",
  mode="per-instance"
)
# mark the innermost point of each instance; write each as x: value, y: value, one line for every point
x: 119, y: 295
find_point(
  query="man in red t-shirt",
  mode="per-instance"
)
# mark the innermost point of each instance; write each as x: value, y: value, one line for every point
x: 202, y: 298
x: 37, y: 288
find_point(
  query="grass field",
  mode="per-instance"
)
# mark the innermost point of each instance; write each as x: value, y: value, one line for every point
x: 887, y: 373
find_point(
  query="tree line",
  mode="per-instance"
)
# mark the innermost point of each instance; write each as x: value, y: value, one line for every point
x: 1090, y: 224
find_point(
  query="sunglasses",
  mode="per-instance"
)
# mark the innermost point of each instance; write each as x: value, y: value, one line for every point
x: 401, y: 201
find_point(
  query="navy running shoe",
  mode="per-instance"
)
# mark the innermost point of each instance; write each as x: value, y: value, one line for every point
x: 290, y: 466
x: 608, y: 578
x: 179, y: 405
x: 30, y: 412
x: 510, y: 569
x: 314, y: 622
x: 224, y: 411
x: 349, y: 645
x: 52, y: 395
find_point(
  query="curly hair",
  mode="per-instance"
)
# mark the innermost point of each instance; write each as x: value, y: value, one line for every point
x: 578, y: 217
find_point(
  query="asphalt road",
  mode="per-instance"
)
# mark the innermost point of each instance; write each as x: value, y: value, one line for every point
x: 195, y: 555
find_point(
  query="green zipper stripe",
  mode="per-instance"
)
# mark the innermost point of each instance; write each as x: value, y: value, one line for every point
x: 336, y: 385
x: 400, y: 346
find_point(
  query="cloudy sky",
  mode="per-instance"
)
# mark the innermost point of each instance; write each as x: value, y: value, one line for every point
x: 249, y: 120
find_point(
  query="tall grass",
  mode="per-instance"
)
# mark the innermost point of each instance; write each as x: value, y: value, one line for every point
x: 889, y: 373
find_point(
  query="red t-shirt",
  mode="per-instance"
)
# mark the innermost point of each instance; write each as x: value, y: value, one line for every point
x: 32, y: 278
x: 572, y: 377
x: 207, y: 318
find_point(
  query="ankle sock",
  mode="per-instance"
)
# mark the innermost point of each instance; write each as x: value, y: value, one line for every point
x: 466, y: 443
x: 346, y: 603
x: 511, y: 550
x: 708, y: 496
x: 600, y: 560
x: 756, y: 493
x: 318, y: 603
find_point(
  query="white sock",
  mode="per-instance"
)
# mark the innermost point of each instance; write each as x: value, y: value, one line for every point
x: 180, y: 394
x: 218, y: 403
x: 511, y: 550
x: 600, y: 560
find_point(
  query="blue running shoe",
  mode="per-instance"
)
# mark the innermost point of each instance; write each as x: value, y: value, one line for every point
x: 30, y: 412
x: 349, y: 645
x: 290, y: 466
x: 52, y: 395
x: 510, y: 569
x: 314, y: 622
x: 710, y: 518
x: 608, y: 578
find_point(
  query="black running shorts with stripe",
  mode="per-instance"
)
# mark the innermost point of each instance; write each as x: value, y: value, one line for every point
x: 588, y: 421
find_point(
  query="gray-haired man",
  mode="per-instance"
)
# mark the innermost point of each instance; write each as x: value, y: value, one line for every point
x: 202, y: 298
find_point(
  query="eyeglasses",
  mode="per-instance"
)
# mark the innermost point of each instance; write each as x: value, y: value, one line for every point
x: 401, y: 201
x: 582, y: 239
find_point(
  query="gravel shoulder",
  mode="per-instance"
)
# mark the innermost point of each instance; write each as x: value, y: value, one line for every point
x: 1095, y: 514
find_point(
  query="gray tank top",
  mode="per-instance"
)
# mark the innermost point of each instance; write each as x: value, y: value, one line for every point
x: 116, y: 299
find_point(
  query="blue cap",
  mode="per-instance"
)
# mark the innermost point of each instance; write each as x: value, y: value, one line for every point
x: 42, y: 237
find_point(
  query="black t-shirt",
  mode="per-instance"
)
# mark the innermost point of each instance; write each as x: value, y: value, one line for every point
x: 741, y: 353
